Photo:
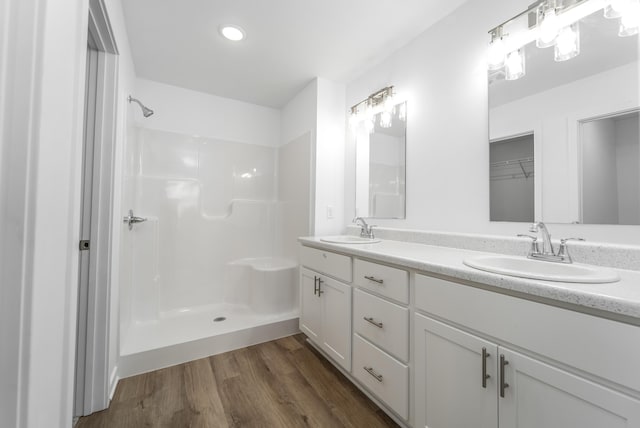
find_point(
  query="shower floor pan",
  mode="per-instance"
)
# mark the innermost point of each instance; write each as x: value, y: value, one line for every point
x: 193, y: 333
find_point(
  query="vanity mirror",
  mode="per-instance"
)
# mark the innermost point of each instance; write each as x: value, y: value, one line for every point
x: 563, y: 119
x: 380, y: 165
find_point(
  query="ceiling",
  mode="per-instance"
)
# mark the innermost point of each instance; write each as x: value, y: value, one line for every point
x: 288, y: 43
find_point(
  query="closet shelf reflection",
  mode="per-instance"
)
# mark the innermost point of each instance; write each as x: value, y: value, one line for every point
x: 512, y: 168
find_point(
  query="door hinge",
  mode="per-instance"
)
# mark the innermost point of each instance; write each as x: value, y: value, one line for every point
x: 84, y: 245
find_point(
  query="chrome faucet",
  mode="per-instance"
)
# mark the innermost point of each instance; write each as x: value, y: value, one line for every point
x: 545, y: 250
x: 366, y: 231
x: 547, y: 245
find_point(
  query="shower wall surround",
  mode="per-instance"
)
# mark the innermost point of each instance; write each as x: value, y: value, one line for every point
x: 213, y: 197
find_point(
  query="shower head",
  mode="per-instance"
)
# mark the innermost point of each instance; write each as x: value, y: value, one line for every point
x: 146, y: 111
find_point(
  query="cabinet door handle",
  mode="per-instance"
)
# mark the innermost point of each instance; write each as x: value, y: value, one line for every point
x: 374, y: 279
x: 485, y: 376
x: 320, y: 281
x: 503, y: 385
x: 373, y: 373
x: 315, y: 285
x: 371, y: 321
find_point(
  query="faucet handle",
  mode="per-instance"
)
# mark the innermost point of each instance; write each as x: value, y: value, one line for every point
x: 534, y: 243
x: 563, y: 251
x: 563, y: 241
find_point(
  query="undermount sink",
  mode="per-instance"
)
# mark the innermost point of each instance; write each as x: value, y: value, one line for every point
x: 547, y: 271
x: 348, y: 239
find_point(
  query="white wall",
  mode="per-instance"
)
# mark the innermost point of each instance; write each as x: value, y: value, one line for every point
x: 330, y: 158
x: 442, y: 74
x: 195, y: 113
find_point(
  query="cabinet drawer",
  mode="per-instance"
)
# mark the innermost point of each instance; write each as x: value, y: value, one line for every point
x: 382, y: 374
x: 332, y: 264
x: 384, y: 280
x: 387, y: 325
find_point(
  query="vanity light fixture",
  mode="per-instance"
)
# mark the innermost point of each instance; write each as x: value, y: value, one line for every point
x: 548, y: 26
x: 232, y: 32
x: 514, y: 65
x: 496, y: 53
x: 630, y: 18
x: 553, y: 23
x: 568, y: 43
x: 381, y: 101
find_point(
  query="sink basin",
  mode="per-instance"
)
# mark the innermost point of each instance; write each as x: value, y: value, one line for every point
x: 348, y: 239
x: 547, y: 271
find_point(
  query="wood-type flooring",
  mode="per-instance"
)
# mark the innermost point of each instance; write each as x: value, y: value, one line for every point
x: 283, y: 383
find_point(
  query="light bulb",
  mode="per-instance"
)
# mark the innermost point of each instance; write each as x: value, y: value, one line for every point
x: 385, y: 119
x: 495, y: 54
x: 548, y: 29
x: 353, y: 121
x: 369, y: 125
x: 514, y: 65
x: 630, y: 19
x: 567, y: 43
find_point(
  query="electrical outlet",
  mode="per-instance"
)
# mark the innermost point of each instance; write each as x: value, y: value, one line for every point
x: 329, y: 211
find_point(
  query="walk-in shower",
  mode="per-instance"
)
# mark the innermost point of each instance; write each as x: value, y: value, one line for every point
x: 146, y: 111
x: 214, y: 266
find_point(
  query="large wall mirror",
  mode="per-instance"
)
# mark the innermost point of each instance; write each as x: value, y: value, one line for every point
x: 563, y: 130
x: 380, y: 166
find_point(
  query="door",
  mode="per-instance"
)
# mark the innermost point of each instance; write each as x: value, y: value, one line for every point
x: 310, y: 321
x: 540, y: 395
x: 455, y: 382
x: 336, y: 320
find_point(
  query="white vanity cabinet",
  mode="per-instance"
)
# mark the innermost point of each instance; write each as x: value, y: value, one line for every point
x: 325, y: 303
x: 381, y: 333
x: 465, y: 380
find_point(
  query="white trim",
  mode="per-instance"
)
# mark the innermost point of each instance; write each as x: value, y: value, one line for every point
x: 113, y: 383
x: 96, y: 375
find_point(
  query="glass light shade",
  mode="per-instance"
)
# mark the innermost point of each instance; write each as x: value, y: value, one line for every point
x: 548, y: 29
x: 385, y: 119
x: 630, y: 19
x: 614, y: 8
x: 496, y: 54
x: 514, y: 65
x: 567, y: 43
x: 353, y: 121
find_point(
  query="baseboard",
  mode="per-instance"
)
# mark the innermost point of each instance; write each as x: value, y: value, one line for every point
x: 113, y: 382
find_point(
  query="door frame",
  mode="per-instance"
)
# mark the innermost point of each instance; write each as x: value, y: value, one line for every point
x: 94, y: 347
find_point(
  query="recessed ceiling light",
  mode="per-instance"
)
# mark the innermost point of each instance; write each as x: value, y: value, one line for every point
x: 232, y: 32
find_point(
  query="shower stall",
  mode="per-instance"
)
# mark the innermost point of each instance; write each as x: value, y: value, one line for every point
x: 211, y: 263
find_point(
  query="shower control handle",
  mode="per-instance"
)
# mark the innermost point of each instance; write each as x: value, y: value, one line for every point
x: 130, y: 219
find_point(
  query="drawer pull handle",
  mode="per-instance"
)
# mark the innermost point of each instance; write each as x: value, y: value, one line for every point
x: 503, y: 384
x: 374, y: 279
x: 315, y: 285
x: 371, y: 321
x: 485, y: 376
x: 320, y: 281
x: 373, y: 373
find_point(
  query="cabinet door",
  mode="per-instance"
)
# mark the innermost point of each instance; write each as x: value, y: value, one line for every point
x: 310, y: 305
x: 336, y: 320
x: 449, y: 391
x: 540, y: 395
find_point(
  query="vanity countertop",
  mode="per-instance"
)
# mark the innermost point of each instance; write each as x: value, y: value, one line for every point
x: 618, y: 301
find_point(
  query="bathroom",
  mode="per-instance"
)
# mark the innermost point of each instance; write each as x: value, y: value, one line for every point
x: 227, y: 177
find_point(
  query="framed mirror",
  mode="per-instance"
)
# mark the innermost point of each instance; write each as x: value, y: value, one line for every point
x: 580, y: 115
x: 380, y: 167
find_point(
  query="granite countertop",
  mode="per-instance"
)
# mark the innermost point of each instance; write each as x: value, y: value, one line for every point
x: 619, y: 300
